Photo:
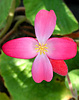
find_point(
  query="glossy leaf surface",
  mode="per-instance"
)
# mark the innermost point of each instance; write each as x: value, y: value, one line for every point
x: 66, y: 22
x: 20, y: 84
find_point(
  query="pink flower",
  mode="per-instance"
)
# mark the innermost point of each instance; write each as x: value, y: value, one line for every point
x: 43, y: 48
x: 59, y: 66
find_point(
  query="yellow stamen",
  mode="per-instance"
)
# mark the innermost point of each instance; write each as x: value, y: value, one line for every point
x: 41, y: 48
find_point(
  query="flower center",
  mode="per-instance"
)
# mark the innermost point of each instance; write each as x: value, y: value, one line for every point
x: 41, y: 48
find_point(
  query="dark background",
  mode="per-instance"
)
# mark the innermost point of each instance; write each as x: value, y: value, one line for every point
x: 74, y: 7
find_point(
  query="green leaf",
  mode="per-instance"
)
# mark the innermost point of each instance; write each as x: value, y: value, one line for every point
x: 74, y: 77
x: 3, y: 96
x: 5, y: 6
x: 18, y: 80
x: 32, y: 7
x: 66, y: 22
x: 17, y: 3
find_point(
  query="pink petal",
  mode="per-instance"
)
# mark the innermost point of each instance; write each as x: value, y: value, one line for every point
x: 23, y: 48
x: 60, y: 48
x: 68, y: 38
x: 59, y: 67
x: 42, y: 69
x: 45, y: 22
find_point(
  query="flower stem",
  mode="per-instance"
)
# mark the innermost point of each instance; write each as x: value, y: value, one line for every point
x: 14, y: 28
x: 74, y: 94
x: 9, y: 19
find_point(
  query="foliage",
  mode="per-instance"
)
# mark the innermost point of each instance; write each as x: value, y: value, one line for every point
x: 17, y: 76
x: 66, y: 22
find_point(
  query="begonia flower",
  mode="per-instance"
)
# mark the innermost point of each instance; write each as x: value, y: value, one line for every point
x: 43, y: 47
x: 59, y: 66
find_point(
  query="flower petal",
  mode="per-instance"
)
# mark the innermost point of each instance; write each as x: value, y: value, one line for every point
x: 59, y: 67
x: 45, y: 22
x: 60, y: 48
x: 23, y: 48
x: 68, y: 38
x: 42, y: 69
